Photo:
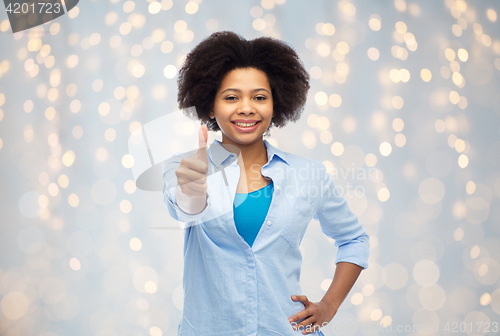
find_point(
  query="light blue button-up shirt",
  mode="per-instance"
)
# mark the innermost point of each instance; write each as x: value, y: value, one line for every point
x: 232, y: 289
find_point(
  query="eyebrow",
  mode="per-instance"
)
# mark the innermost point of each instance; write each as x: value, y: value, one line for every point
x: 238, y: 90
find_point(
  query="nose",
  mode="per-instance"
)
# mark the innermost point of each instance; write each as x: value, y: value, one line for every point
x: 246, y: 106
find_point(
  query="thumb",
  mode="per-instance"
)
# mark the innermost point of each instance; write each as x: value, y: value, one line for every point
x: 202, y: 143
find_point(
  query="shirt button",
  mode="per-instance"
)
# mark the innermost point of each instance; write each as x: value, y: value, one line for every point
x: 269, y: 222
x: 278, y: 188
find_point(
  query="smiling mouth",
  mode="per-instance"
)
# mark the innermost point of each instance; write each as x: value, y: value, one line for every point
x: 245, y: 124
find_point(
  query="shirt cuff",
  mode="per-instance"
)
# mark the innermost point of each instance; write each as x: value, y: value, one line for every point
x: 177, y: 213
x: 356, y: 251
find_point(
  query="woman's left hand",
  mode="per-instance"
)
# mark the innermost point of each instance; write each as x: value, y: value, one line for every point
x: 316, y: 314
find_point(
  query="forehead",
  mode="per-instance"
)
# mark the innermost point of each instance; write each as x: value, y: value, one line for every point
x: 246, y: 78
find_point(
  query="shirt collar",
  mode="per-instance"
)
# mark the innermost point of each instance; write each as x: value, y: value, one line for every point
x: 218, y: 154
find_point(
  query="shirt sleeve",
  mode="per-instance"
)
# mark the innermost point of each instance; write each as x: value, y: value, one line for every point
x: 169, y: 190
x: 340, y: 223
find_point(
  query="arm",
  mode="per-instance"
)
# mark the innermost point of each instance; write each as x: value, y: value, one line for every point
x: 340, y: 223
x: 344, y: 278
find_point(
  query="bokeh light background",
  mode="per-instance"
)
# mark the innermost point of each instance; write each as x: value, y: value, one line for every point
x: 404, y: 94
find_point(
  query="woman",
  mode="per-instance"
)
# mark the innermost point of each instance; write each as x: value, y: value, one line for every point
x: 241, y: 248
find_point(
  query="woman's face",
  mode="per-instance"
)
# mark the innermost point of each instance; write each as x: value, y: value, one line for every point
x: 244, y: 96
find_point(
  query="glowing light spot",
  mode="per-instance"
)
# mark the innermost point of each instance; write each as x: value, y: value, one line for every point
x: 75, y: 264
x: 449, y: 54
x: 485, y: 299
x: 463, y: 55
x: 14, y: 305
x: 343, y: 47
x: 138, y: 71
x: 373, y: 54
x: 110, y: 18
x: 259, y: 24
x: 398, y: 124
x: 400, y: 5
x: 397, y: 102
x: 375, y: 22
x: 68, y: 158
x: 191, y: 7
x: 155, y: 331
x: 368, y: 289
x: 128, y: 6
x: 170, y: 71
x: 77, y: 132
x: 130, y: 187
x: 431, y: 190
x: 101, y: 154
x: 256, y: 12
x: 459, y: 145
x: 426, y: 273
x: 309, y: 139
x: 125, y: 28
x: 104, y: 108
x: 491, y: 14
x: 457, y: 79
x: 187, y: 36
x: 454, y: 97
x: 458, y: 234
x: 73, y: 200
x: 53, y: 189
x: 376, y: 315
x: 150, y: 287
x: 357, y: 299
x: 401, y: 27
x: 321, y: 98
x: 125, y: 206
x: 97, y: 85
x: 383, y: 194
x: 463, y: 161
x: 335, y: 100
x: 337, y: 149
x: 135, y: 244
x: 72, y: 61
x: 323, y: 49
x: 400, y: 140
x: 63, y: 181
x: 312, y: 120
x: 154, y: 7
x: 110, y: 134
x: 385, y: 148
x: 387, y: 320
x: 456, y: 30
x: 328, y: 29
x: 475, y: 251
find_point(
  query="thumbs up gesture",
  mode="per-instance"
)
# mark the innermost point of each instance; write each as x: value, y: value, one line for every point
x: 192, y: 177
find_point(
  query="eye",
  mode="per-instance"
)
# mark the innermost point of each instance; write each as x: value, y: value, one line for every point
x: 230, y: 98
x: 259, y: 98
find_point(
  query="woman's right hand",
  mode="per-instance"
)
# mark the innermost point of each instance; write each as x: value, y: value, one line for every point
x: 192, y: 172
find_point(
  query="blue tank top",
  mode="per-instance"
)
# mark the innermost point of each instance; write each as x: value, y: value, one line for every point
x: 250, y: 212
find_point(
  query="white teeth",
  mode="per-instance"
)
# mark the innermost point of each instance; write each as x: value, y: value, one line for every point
x: 245, y: 125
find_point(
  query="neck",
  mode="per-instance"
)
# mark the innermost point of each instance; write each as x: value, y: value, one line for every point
x: 254, y: 153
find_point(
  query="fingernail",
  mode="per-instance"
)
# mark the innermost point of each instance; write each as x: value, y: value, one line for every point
x: 290, y: 320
